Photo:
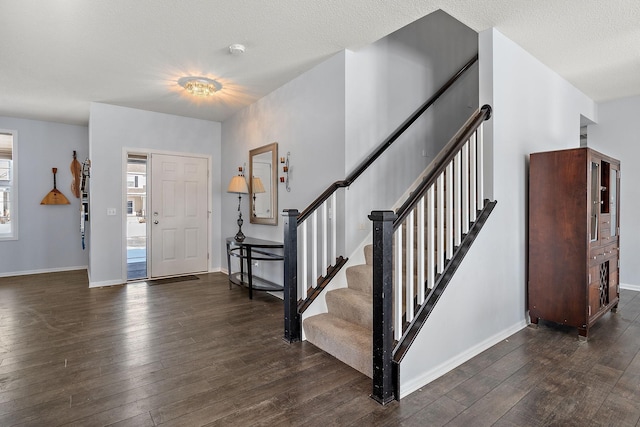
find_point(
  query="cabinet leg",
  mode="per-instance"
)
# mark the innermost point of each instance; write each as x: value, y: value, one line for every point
x: 583, y: 334
x: 534, y: 321
x: 614, y: 309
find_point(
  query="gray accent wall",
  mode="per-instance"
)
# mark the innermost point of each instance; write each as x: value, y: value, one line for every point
x: 48, y: 236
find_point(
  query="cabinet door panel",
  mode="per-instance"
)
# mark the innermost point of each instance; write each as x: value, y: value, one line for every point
x: 594, y: 290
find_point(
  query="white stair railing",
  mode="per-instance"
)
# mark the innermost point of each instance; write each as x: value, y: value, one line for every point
x: 446, y: 205
x: 317, y: 246
x: 438, y: 231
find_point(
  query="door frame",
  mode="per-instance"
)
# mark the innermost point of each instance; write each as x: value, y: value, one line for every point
x: 148, y: 152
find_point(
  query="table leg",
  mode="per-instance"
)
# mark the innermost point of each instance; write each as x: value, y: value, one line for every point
x: 229, y: 263
x: 241, y: 265
x: 249, y: 273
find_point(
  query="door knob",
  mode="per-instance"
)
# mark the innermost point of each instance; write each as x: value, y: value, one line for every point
x: 155, y: 221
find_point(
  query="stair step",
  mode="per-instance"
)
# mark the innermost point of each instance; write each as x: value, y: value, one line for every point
x: 346, y: 341
x: 352, y: 306
x: 360, y: 278
x: 368, y: 254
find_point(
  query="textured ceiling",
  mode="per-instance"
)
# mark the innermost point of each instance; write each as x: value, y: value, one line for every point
x: 57, y: 56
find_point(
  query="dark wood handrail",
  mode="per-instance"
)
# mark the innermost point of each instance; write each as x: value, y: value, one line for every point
x: 384, y: 145
x: 441, y: 161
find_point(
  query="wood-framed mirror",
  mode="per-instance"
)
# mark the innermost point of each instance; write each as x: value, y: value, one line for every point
x: 263, y: 185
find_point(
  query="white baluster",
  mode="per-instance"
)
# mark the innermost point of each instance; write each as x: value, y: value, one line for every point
x: 473, y: 178
x: 465, y: 188
x: 449, y: 210
x: 409, y: 293
x: 431, y: 258
x: 440, y: 218
x: 325, y: 240
x: 421, y: 251
x: 457, y: 221
x: 480, y: 132
x: 334, y: 214
x: 397, y: 287
x: 314, y: 249
x: 305, y: 260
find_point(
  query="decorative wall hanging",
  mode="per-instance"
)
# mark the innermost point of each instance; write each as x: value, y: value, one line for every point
x: 54, y: 197
x: 285, y: 170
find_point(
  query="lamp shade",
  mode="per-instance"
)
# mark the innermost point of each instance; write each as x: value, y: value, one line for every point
x: 238, y: 185
x: 256, y: 185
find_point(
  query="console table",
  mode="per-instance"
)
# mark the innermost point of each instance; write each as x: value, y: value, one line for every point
x: 250, y: 250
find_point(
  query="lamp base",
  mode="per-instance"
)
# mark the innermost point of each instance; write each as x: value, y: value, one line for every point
x: 239, y: 235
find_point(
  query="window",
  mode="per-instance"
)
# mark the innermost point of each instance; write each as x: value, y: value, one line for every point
x: 130, y: 207
x: 8, y: 186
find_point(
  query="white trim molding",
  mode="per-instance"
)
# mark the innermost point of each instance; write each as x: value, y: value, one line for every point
x: 458, y: 360
x: 43, y: 271
x: 630, y: 287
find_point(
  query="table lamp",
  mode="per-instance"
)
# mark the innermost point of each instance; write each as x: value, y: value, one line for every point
x: 238, y: 185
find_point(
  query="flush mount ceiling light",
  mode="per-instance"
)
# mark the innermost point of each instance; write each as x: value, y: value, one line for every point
x: 200, y: 86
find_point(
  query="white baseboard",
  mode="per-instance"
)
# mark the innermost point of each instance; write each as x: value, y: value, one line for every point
x: 42, y: 271
x: 452, y: 363
x: 630, y: 287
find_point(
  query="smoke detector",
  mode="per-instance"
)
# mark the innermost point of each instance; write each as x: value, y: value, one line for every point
x: 236, y: 49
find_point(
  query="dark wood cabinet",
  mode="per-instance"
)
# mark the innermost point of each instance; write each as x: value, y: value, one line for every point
x: 574, y: 223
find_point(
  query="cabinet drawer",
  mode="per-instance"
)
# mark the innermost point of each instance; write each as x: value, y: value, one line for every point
x: 599, y: 254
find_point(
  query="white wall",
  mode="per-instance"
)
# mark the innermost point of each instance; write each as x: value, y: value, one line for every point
x: 112, y: 128
x: 385, y: 83
x: 48, y: 236
x: 534, y: 110
x: 616, y: 134
x: 306, y: 118
x: 333, y: 116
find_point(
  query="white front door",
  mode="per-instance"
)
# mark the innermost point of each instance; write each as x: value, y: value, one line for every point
x: 179, y: 224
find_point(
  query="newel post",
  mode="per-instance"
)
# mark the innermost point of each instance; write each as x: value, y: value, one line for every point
x: 383, y: 373
x: 291, y: 316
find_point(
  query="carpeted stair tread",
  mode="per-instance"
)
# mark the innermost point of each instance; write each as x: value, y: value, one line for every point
x: 346, y: 341
x: 360, y: 278
x: 351, y: 305
x: 368, y: 254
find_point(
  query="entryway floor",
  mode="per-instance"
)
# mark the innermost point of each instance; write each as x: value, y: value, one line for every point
x: 136, y: 263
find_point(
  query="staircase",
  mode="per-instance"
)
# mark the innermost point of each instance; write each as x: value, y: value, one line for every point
x: 371, y: 323
x: 345, y: 331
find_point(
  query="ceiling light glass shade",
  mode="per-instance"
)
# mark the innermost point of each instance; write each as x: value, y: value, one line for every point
x: 238, y: 185
x: 200, y: 86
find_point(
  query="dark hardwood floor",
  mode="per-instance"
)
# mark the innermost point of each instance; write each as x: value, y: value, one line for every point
x: 198, y: 353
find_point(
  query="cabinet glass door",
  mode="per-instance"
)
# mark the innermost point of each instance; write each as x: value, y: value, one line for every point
x: 613, y: 202
x: 595, y: 201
